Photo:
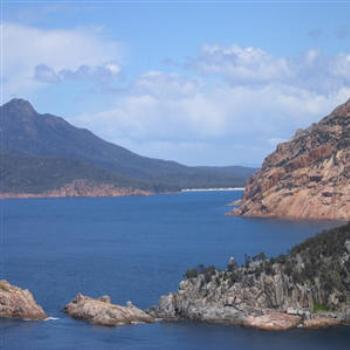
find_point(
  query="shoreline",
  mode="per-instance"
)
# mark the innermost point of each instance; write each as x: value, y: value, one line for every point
x: 9, y: 195
x: 97, y: 192
x: 214, y: 189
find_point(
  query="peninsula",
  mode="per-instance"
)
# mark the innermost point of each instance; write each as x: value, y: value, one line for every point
x: 310, y: 288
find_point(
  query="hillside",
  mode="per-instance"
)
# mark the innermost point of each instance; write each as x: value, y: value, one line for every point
x: 308, y: 287
x: 32, y: 174
x: 307, y: 177
x: 41, y: 152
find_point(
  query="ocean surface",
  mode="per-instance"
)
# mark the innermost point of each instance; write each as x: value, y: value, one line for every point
x: 137, y: 248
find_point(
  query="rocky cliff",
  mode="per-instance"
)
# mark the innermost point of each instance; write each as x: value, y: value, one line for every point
x: 307, y: 177
x: 18, y: 303
x: 310, y: 288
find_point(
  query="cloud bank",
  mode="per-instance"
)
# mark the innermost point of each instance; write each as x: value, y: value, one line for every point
x: 226, y: 105
x: 236, y: 106
x: 33, y: 57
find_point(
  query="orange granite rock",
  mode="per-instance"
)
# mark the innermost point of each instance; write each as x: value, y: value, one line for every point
x: 18, y: 303
x: 307, y: 177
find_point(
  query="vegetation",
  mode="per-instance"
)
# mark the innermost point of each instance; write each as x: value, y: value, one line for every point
x: 207, y: 271
x: 323, y: 260
x: 41, y: 152
x: 30, y: 174
x: 320, y: 308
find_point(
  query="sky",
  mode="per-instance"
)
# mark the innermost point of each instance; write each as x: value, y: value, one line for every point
x: 199, y: 82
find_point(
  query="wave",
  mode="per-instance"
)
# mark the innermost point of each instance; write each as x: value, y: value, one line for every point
x: 51, y: 318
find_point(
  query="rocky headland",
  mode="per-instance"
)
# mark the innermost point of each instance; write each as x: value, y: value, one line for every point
x: 18, y: 303
x: 101, y: 311
x: 310, y: 288
x: 307, y: 177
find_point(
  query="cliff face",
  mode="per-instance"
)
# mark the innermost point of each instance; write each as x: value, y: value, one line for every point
x: 307, y: 177
x: 310, y: 287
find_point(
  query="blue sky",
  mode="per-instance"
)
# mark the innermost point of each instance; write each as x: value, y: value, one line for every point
x: 199, y: 82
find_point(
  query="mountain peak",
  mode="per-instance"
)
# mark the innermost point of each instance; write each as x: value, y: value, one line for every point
x: 19, y: 105
x: 342, y: 110
x: 44, y: 152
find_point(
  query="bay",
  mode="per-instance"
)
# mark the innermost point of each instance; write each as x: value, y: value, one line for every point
x: 137, y: 248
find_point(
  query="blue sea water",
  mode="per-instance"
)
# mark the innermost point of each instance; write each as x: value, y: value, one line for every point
x: 137, y: 248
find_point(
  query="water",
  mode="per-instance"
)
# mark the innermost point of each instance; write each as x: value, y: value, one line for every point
x: 137, y: 248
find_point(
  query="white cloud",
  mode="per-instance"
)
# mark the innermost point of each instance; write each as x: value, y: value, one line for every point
x: 241, y: 65
x: 101, y: 74
x: 253, y: 66
x: 50, y: 55
x: 231, y: 105
x: 168, y: 115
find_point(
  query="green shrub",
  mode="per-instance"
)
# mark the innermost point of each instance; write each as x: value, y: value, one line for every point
x: 320, y: 308
x: 191, y: 273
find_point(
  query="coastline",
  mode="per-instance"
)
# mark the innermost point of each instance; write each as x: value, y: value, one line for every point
x: 9, y: 195
x: 214, y: 189
x: 79, y: 188
x: 295, y: 290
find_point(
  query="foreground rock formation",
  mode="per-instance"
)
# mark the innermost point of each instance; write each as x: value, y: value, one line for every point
x: 18, y: 303
x: 307, y: 177
x: 80, y: 188
x: 308, y: 288
x: 102, y: 312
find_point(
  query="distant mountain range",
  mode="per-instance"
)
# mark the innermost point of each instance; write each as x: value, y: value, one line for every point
x: 44, y: 155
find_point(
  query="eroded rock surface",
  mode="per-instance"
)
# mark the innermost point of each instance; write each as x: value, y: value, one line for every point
x: 18, y: 303
x: 308, y: 288
x: 307, y: 177
x: 101, y: 311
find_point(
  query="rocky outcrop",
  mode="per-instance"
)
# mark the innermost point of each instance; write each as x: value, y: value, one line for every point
x: 102, y: 312
x: 81, y: 188
x: 18, y: 303
x: 308, y: 288
x: 307, y: 177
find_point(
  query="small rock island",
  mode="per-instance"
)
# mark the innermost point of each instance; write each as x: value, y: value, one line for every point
x: 101, y: 311
x: 309, y: 287
x: 18, y: 303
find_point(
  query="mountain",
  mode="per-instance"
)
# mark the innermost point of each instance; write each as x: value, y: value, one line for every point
x: 307, y: 177
x: 309, y: 287
x: 41, y: 153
